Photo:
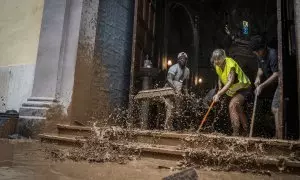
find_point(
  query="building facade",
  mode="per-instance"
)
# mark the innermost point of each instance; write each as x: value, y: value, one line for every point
x: 74, y: 55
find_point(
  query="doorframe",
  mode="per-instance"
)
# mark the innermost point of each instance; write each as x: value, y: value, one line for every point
x: 280, y: 65
x: 297, y: 29
x: 194, y: 27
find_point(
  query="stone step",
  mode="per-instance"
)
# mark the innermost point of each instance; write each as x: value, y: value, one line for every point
x: 74, y: 130
x: 37, y: 104
x: 200, y: 156
x: 31, y: 118
x: 47, y: 99
x: 78, y: 141
x: 62, y: 139
x: 258, y: 145
x: 33, y: 111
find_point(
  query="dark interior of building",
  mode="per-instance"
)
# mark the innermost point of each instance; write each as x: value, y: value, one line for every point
x: 198, y: 27
x: 289, y: 71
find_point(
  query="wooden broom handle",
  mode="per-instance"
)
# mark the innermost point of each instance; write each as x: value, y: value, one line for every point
x: 204, y: 119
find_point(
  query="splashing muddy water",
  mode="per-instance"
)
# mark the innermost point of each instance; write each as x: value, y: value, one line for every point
x: 122, y: 145
x: 113, y: 146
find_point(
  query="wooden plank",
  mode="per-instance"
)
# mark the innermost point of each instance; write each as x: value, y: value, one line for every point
x: 157, y: 90
x: 154, y: 93
x: 176, y: 135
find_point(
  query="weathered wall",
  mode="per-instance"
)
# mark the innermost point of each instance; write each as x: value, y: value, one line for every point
x: 113, y: 43
x: 20, y: 23
x: 81, y: 98
x: 103, y: 60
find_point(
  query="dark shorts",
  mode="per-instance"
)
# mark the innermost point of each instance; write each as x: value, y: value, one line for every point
x: 246, y: 93
x: 276, y: 99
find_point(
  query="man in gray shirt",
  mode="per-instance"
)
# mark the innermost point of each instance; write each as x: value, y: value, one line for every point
x: 177, y: 78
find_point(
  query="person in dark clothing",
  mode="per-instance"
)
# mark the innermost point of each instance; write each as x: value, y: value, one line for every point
x: 268, y: 70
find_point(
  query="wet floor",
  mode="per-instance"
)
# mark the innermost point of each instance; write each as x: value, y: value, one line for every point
x: 26, y: 160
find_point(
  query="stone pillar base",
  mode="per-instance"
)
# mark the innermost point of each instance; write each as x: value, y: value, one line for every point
x: 32, y: 115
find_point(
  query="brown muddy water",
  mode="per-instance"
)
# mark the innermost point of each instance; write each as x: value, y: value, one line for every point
x: 26, y: 160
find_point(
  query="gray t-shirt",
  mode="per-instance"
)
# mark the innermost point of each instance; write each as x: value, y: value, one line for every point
x: 180, y: 75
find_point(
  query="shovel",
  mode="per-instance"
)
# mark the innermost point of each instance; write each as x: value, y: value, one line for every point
x: 253, y: 117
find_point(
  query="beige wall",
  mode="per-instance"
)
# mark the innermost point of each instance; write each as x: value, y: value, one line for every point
x: 20, y: 22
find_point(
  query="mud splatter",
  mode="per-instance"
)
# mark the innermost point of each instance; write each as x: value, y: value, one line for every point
x: 101, y: 147
x: 120, y: 144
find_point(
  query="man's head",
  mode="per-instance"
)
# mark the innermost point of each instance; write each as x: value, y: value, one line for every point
x: 218, y: 57
x: 258, y: 46
x: 182, y: 59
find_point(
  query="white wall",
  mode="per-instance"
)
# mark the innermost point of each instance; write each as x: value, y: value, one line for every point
x: 20, y: 23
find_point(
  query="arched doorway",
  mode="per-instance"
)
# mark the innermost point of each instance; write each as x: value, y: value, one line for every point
x: 182, y: 36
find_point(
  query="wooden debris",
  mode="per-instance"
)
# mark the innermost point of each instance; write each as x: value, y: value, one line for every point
x: 154, y: 93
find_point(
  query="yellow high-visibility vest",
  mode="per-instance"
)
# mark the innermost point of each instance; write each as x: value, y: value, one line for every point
x: 243, y: 80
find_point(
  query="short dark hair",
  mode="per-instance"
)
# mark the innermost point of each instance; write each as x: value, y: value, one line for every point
x: 257, y: 42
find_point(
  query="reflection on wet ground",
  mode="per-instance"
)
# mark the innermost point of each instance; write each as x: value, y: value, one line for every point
x: 25, y: 160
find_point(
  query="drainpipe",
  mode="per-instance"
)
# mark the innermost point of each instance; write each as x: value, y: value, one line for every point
x: 297, y: 28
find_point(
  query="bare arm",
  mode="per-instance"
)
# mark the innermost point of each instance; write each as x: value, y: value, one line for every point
x: 231, y: 79
x: 170, y: 78
x: 219, y: 84
x: 270, y: 80
x: 258, y: 77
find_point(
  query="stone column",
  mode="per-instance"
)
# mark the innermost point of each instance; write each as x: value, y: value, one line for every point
x: 54, y: 38
x: 67, y: 66
x: 49, y: 51
x: 145, y: 103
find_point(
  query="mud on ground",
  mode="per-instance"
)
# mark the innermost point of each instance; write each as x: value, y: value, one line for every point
x: 113, y: 145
